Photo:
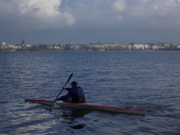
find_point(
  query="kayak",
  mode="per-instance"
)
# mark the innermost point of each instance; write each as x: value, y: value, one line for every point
x: 89, y: 106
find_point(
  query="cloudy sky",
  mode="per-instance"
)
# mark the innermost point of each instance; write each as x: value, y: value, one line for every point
x: 85, y: 21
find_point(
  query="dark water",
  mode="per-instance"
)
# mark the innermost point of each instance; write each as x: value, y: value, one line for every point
x: 141, y: 80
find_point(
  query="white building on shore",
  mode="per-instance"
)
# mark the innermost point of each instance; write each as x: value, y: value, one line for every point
x: 141, y: 46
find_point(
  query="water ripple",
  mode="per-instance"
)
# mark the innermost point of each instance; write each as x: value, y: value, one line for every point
x: 141, y: 80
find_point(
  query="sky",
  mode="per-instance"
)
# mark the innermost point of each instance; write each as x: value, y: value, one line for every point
x: 89, y: 21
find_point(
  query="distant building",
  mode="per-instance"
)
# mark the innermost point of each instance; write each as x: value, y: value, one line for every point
x: 15, y: 47
x: 3, y: 43
x: 141, y: 46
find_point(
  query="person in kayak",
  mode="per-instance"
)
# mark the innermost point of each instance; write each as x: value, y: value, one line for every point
x: 75, y: 94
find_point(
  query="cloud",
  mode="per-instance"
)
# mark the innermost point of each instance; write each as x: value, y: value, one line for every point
x: 150, y: 14
x: 119, y: 5
x: 126, y: 14
x: 89, y: 17
x: 36, y: 14
x: 5, y: 7
x: 44, y: 14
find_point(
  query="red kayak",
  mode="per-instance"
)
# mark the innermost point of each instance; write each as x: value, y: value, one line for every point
x: 89, y: 106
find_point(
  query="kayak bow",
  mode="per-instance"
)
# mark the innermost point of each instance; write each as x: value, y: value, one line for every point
x: 89, y: 106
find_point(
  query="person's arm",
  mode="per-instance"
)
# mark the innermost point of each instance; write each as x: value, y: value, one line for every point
x: 68, y: 89
x: 66, y: 97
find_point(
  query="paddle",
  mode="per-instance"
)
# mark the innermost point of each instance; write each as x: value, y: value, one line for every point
x: 60, y: 92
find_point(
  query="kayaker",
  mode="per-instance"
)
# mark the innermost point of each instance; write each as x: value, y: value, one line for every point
x: 75, y: 94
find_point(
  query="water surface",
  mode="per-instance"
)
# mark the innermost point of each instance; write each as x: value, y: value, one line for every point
x: 146, y: 80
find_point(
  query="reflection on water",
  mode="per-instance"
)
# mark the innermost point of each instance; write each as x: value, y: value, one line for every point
x: 69, y: 116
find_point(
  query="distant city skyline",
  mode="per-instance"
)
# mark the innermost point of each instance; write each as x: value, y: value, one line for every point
x: 72, y: 21
x: 90, y: 47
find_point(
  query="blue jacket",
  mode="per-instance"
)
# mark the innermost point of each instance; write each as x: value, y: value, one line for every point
x: 75, y: 94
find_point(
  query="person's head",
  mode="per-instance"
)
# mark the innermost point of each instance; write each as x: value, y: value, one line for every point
x: 74, y: 84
